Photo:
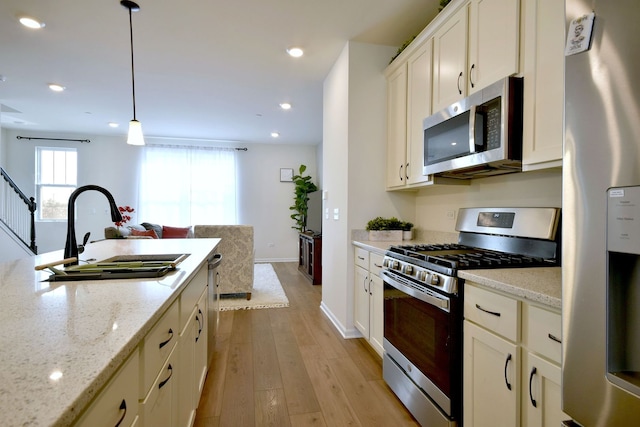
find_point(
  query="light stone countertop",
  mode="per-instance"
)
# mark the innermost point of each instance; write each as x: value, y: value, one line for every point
x: 80, y: 331
x: 542, y: 285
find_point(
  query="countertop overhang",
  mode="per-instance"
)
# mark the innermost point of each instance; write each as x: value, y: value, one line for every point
x: 62, y: 341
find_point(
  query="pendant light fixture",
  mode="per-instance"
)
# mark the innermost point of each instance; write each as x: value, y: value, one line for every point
x: 135, y: 128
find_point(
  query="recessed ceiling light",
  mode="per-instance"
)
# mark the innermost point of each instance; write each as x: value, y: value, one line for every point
x: 296, y: 52
x: 113, y: 125
x: 285, y: 106
x: 56, y: 87
x: 275, y: 134
x: 31, y: 22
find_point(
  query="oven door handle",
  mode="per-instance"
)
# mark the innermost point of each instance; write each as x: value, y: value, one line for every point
x: 432, y: 298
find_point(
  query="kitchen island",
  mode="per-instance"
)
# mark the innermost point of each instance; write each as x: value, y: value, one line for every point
x: 63, y: 341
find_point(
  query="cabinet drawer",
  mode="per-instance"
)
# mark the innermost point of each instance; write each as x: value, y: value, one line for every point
x: 117, y: 403
x: 496, y: 312
x: 375, y: 263
x: 543, y: 330
x: 189, y: 297
x: 157, y: 346
x: 362, y: 258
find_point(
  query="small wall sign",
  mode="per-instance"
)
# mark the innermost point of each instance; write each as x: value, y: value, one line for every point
x: 286, y: 175
x: 579, y: 35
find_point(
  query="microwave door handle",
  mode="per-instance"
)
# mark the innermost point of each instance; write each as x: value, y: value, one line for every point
x: 472, y: 129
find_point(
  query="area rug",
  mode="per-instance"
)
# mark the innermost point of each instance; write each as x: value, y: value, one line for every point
x: 267, y: 292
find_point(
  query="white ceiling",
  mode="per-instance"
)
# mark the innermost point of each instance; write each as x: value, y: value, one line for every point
x: 204, y: 69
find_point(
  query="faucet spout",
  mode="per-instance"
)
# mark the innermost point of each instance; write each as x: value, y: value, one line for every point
x: 71, y: 246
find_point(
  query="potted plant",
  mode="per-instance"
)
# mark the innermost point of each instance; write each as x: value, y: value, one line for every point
x: 384, y: 229
x: 407, y: 230
x: 303, y: 186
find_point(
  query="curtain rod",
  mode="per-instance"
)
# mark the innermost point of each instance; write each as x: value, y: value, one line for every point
x: 198, y: 147
x: 54, y: 139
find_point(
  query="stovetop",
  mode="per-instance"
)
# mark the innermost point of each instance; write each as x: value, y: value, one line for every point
x: 461, y: 257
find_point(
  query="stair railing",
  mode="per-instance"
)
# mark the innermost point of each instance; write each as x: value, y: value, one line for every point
x: 17, y: 212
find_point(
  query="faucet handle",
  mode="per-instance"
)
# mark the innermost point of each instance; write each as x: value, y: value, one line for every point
x: 85, y: 239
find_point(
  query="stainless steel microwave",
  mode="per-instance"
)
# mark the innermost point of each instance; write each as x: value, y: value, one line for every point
x: 479, y: 136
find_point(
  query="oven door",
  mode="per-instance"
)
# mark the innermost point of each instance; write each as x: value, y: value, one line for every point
x: 422, y: 334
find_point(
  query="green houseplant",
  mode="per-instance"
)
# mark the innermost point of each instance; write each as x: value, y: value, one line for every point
x: 303, y: 186
x: 388, y: 229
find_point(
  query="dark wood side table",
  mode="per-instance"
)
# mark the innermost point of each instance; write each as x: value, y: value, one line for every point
x: 310, y: 257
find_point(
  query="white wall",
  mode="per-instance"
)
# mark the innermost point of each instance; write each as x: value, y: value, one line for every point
x: 354, y: 141
x: 111, y: 163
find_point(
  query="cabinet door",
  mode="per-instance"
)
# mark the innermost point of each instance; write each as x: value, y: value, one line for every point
x: 543, y: 84
x: 493, y: 41
x: 541, y: 384
x: 361, y: 298
x: 376, y: 312
x: 186, y: 367
x: 160, y: 406
x: 491, y: 379
x: 418, y: 108
x: 117, y: 404
x: 201, y: 340
x: 397, y: 127
x: 450, y: 61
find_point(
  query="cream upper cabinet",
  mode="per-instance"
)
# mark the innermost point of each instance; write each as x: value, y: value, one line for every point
x: 419, y: 81
x: 450, y: 60
x: 409, y: 103
x: 396, y: 127
x: 494, y: 28
x: 475, y: 47
x: 543, y: 47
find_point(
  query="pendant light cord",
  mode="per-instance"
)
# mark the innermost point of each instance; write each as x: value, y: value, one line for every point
x: 133, y: 79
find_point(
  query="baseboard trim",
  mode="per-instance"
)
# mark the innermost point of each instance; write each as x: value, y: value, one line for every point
x: 263, y: 260
x: 346, y: 333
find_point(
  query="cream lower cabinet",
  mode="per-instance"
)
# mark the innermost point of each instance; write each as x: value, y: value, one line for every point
x: 117, y: 404
x: 543, y: 72
x: 511, y: 362
x: 368, y: 297
x: 161, y: 382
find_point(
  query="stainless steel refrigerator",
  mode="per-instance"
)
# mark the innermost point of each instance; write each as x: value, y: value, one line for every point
x: 601, y: 214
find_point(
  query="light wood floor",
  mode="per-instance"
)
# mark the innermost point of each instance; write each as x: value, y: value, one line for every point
x: 290, y: 367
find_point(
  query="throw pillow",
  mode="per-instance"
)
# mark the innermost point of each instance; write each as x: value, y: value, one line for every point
x: 136, y: 227
x: 155, y: 227
x: 150, y: 233
x: 175, y: 232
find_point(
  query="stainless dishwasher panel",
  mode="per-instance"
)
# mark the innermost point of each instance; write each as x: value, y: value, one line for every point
x: 213, y: 315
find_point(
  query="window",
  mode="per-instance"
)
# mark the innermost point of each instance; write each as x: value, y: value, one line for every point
x: 182, y: 185
x: 56, y: 179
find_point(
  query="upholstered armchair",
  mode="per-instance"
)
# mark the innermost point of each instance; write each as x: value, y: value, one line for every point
x: 236, y: 247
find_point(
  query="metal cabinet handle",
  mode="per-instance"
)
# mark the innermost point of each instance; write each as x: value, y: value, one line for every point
x: 199, y: 324
x: 163, y: 343
x: 471, y: 75
x: 370, y: 287
x: 123, y: 407
x: 364, y: 284
x: 406, y: 171
x: 554, y: 338
x: 400, y: 172
x: 494, y: 313
x: 506, y: 364
x: 360, y: 258
x: 162, y: 383
x: 533, y: 401
x: 379, y: 266
x: 459, y: 78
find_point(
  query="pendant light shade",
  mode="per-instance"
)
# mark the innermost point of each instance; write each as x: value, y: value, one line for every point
x: 135, y: 136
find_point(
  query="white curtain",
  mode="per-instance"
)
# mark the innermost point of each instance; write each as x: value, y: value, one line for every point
x: 181, y: 186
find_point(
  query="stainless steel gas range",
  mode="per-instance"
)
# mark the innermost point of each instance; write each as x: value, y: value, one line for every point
x: 423, y: 301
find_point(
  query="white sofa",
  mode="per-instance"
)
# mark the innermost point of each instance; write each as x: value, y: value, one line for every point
x: 236, y: 247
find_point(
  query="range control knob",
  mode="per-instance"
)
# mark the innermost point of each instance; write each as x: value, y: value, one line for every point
x: 421, y: 276
x: 395, y: 265
x: 434, y: 279
x: 408, y: 269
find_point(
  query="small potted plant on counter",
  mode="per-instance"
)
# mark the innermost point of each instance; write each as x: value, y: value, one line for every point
x: 407, y: 230
x: 384, y: 229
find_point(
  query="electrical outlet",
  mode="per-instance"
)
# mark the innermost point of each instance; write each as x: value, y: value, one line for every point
x: 451, y: 215
x: 271, y: 245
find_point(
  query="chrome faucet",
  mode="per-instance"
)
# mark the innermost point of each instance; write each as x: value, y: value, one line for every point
x: 71, y: 246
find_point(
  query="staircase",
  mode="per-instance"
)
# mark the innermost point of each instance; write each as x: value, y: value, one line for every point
x: 17, y: 212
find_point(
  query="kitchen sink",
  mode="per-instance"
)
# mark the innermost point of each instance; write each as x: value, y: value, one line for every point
x: 121, y: 267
